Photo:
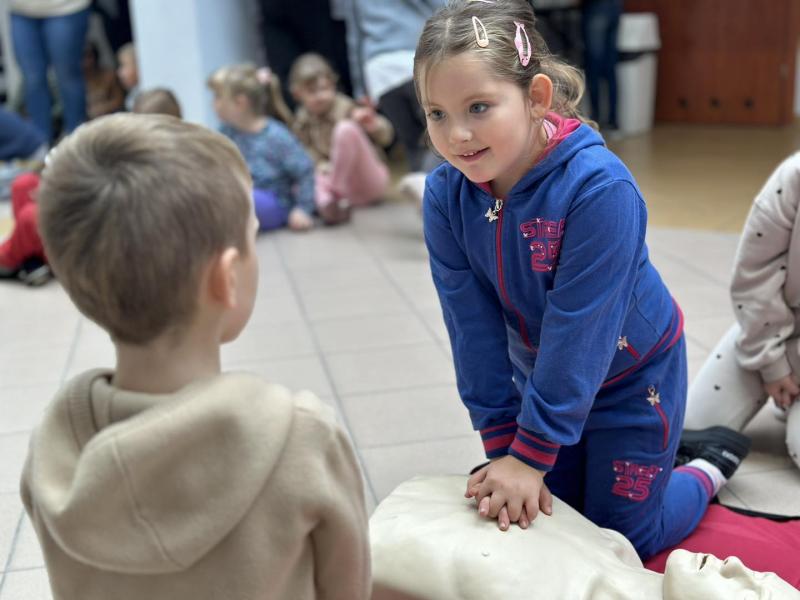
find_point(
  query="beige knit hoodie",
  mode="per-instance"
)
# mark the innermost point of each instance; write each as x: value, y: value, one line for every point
x: 766, y: 282
x: 230, y: 489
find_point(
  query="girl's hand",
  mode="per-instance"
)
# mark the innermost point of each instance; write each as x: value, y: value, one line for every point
x: 784, y: 391
x: 366, y: 117
x: 299, y: 220
x: 510, y: 491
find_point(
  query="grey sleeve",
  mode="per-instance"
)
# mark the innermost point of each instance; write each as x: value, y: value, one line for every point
x: 760, y: 269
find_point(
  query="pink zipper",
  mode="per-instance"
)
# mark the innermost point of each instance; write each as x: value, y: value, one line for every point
x: 502, y: 282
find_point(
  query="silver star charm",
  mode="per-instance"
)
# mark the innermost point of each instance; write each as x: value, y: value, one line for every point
x: 622, y: 342
x: 653, y: 398
x: 491, y: 215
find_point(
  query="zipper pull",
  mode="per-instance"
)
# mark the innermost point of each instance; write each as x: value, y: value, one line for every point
x: 653, y: 397
x: 492, y: 213
x: 622, y: 342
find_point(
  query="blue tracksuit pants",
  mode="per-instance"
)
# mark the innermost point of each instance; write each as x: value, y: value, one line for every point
x: 620, y: 474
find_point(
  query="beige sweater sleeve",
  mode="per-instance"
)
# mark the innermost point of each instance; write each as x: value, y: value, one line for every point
x: 340, y: 538
x: 757, y: 289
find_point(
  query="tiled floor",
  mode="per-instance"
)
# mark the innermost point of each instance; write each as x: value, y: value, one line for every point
x: 351, y: 313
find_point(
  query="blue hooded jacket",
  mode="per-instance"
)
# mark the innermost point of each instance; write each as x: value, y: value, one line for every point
x: 548, y: 295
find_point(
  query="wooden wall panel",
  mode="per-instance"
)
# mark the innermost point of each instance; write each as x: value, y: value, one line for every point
x: 725, y: 61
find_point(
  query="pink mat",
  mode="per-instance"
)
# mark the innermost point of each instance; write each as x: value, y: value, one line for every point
x: 761, y: 544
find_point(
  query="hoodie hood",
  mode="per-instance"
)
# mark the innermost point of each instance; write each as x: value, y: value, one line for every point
x: 171, y: 475
x: 581, y: 139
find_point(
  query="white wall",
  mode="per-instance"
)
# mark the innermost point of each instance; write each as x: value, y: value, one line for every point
x: 181, y: 42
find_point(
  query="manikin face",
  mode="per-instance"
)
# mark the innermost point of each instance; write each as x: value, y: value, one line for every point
x: 481, y: 124
x: 316, y: 96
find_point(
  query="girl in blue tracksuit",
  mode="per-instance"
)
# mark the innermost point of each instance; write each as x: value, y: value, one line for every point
x: 568, y: 347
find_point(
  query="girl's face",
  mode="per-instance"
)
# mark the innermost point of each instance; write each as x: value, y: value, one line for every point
x: 484, y: 126
x: 228, y: 108
x: 316, y: 96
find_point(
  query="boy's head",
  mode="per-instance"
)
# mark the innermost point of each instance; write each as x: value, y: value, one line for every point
x: 158, y: 101
x: 135, y: 211
x: 245, y: 90
x: 312, y: 82
x: 128, y: 69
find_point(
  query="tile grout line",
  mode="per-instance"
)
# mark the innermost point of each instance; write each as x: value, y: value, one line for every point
x: 326, y: 369
x: 18, y: 530
x: 382, y: 268
x: 73, y: 349
x: 12, y: 549
x: 447, y: 438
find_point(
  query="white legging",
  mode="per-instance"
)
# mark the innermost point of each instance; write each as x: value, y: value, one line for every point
x: 723, y: 393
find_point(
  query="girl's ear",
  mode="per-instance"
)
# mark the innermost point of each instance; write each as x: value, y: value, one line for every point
x: 221, y: 286
x: 540, y: 95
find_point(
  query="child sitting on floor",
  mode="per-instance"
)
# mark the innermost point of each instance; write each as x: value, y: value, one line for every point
x: 339, y: 135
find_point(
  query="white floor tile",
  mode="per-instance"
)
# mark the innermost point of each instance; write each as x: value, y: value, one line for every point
x: 389, y: 466
x: 382, y: 299
x: 415, y: 415
x: 304, y: 373
x: 21, y: 408
x: 13, y: 450
x: 27, y: 552
x: 26, y: 585
x: 363, y: 332
x: 390, y: 369
x: 270, y: 341
x: 11, y: 510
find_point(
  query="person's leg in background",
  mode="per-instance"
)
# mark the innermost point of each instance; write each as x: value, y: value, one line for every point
x: 357, y: 172
x: 610, y: 56
x: 600, y: 25
x: 271, y: 214
x: 290, y: 29
x: 723, y: 393
x: 24, y: 241
x: 31, y: 53
x: 65, y: 38
x: 401, y: 108
x: 793, y: 431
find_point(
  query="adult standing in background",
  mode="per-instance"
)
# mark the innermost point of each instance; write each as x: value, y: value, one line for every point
x: 382, y: 37
x: 292, y: 28
x: 49, y: 33
x: 600, y: 24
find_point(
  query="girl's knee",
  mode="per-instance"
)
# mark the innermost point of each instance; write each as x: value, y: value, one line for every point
x: 24, y: 184
x: 347, y: 130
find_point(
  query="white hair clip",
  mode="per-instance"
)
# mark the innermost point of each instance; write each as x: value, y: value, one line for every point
x: 481, y: 37
x: 524, y: 59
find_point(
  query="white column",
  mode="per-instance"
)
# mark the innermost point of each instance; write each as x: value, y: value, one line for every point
x: 179, y: 43
x: 10, y: 70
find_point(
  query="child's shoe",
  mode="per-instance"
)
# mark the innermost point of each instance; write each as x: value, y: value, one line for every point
x: 35, y: 272
x: 721, y: 446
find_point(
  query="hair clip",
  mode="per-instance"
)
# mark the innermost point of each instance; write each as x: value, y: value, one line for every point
x: 481, y: 40
x: 264, y: 75
x: 524, y: 59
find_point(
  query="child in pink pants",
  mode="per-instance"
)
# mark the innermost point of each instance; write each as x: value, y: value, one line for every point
x: 340, y: 136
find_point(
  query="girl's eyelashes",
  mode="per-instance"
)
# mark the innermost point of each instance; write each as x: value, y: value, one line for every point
x: 435, y: 115
x: 478, y: 107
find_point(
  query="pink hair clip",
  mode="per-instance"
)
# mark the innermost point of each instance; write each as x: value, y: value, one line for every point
x: 481, y: 37
x: 264, y: 75
x: 524, y: 59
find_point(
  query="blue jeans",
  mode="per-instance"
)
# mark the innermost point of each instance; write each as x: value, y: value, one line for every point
x: 600, y: 24
x: 56, y: 42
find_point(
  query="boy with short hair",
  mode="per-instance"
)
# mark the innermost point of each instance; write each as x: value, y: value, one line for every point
x: 165, y: 478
